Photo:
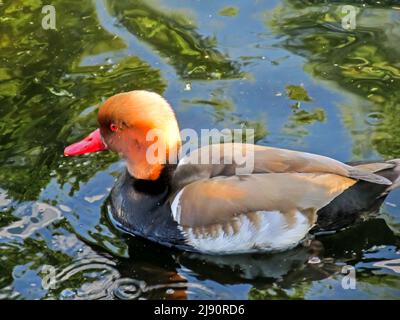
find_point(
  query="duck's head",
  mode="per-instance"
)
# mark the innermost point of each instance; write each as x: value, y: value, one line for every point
x: 130, y: 123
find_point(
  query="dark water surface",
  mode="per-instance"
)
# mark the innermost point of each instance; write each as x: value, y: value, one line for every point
x: 285, y: 68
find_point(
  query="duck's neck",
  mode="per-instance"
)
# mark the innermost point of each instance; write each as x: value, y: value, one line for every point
x: 138, y: 151
x: 158, y: 185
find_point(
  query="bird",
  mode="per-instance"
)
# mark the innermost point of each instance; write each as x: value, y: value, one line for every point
x: 210, y: 208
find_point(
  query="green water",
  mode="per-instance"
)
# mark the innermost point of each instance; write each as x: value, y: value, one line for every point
x: 285, y: 68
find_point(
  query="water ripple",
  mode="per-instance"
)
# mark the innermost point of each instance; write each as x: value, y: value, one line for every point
x: 39, y: 216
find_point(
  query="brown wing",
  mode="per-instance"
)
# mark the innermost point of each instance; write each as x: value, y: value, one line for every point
x: 263, y: 160
x: 219, y: 199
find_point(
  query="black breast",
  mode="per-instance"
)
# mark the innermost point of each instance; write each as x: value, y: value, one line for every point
x: 141, y: 207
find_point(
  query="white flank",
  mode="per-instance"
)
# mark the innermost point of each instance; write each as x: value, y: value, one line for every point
x: 274, y: 234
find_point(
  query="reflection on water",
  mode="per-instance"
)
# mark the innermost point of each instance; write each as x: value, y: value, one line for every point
x: 39, y: 216
x: 283, y: 67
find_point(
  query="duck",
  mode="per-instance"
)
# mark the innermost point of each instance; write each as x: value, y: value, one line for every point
x: 213, y: 208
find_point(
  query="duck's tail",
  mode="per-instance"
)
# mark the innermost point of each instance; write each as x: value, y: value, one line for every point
x: 361, y: 200
x: 395, y: 175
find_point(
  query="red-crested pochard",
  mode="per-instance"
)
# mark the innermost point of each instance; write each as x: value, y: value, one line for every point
x: 212, y: 209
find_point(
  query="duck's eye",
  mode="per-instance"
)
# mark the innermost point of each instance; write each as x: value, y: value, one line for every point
x: 113, y: 127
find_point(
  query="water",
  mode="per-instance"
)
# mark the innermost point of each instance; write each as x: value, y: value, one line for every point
x: 285, y: 68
